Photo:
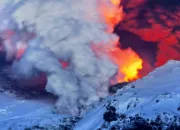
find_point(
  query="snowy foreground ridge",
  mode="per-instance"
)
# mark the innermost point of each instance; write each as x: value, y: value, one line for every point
x: 153, y: 101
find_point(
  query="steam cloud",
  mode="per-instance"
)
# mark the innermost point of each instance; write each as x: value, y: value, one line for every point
x: 59, y: 30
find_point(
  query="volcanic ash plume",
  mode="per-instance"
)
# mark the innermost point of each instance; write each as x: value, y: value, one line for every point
x: 62, y: 31
x: 151, y: 28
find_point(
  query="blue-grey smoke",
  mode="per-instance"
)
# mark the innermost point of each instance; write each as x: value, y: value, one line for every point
x: 64, y: 30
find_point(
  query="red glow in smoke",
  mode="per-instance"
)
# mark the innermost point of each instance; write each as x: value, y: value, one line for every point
x: 164, y: 34
x: 160, y: 26
x: 127, y: 61
x: 64, y: 64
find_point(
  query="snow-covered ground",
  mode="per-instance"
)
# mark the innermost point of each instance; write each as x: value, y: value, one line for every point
x: 18, y: 113
x: 25, y: 114
x: 154, y: 99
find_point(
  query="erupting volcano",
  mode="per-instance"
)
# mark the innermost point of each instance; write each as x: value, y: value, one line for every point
x: 151, y: 29
x: 128, y: 62
x: 81, y: 49
x: 61, y: 47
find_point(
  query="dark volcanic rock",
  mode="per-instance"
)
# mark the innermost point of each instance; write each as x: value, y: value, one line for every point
x: 110, y: 114
x: 114, y: 88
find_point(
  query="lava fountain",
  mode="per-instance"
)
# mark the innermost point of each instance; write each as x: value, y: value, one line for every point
x: 128, y: 62
x: 151, y: 29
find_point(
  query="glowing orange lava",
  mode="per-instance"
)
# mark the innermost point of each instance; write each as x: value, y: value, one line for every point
x: 128, y: 62
x: 116, y: 2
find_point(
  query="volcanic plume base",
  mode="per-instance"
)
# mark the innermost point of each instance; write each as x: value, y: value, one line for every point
x: 36, y: 50
x: 80, y: 56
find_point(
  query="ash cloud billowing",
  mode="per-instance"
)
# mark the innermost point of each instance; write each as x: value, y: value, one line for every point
x: 151, y: 29
x: 60, y: 30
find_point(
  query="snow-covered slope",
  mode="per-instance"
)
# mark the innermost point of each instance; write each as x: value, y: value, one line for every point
x: 153, y: 101
x: 23, y: 114
x: 26, y: 108
x: 16, y: 113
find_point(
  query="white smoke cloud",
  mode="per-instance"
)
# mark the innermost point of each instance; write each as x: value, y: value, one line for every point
x: 65, y: 30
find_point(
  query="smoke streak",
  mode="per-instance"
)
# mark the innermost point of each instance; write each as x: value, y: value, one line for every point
x: 64, y: 30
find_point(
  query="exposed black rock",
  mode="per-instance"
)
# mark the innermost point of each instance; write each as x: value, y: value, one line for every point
x: 110, y: 114
x: 114, y: 88
x: 139, y: 123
